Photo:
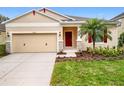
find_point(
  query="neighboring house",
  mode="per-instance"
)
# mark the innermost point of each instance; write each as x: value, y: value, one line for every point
x: 120, y: 23
x: 2, y: 34
x: 48, y: 31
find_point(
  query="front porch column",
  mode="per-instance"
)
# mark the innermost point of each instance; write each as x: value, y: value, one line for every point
x: 79, y: 40
x: 61, y: 39
x: 9, y: 42
x: 60, y: 45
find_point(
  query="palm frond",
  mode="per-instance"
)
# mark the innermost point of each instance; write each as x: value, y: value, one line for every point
x: 109, y: 37
x: 86, y: 38
x: 109, y: 32
x: 100, y: 34
x: 96, y: 28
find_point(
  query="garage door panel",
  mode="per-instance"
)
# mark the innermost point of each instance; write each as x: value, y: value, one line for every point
x: 34, y: 43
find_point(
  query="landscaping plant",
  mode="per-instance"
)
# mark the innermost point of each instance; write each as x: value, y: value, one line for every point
x: 2, y: 50
x: 121, y: 40
x: 96, y: 29
x: 107, y: 52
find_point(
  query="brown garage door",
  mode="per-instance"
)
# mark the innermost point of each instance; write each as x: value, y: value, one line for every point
x: 34, y: 43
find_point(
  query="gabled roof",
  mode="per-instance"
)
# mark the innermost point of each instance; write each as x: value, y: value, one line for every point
x: 28, y: 13
x: 75, y: 19
x: 57, y: 13
x: 118, y: 17
x: 78, y: 18
x: 2, y: 27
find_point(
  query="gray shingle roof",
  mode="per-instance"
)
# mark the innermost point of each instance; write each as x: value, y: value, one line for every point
x: 118, y: 17
x: 86, y: 18
x: 78, y: 18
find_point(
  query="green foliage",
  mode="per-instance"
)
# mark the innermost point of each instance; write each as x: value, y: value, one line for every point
x: 108, y: 52
x: 96, y: 29
x: 89, y: 50
x: 121, y: 40
x: 2, y: 50
x: 3, y: 18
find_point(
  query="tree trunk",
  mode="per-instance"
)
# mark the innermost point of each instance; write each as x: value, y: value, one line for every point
x: 93, y: 45
x: 94, y: 40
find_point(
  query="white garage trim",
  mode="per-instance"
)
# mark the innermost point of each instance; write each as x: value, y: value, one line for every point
x: 9, y: 41
x: 33, y: 32
x: 57, y: 37
x: 32, y: 25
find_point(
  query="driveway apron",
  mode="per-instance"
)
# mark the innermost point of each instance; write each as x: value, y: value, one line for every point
x: 28, y: 69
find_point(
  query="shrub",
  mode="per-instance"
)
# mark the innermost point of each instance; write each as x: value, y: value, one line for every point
x: 120, y: 50
x: 89, y: 50
x: 2, y: 49
x: 121, y: 40
x: 108, y: 52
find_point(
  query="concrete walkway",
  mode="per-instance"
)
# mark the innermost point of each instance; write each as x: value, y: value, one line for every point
x: 69, y: 53
x: 27, y: 69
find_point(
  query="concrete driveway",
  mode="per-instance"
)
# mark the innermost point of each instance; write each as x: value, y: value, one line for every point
x: 27, y: 69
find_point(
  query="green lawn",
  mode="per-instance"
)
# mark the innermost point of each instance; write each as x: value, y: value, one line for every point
x: 88, y: 73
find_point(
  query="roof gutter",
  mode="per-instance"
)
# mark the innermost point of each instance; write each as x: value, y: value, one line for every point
x: 73, y: 22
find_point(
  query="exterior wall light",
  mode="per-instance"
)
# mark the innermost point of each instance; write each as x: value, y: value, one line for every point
x: 8, y: 34
x: 59, y: 33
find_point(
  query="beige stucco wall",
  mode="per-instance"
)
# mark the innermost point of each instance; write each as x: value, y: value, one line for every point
x: 54, y: 15
x: 32, y: 29
x: 121, y: 27
x: 2, y: 38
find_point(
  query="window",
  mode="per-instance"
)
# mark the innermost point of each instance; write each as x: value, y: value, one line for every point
x: 98, y: 39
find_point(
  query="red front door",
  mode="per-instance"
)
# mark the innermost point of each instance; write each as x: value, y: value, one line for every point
x: 68, y: 39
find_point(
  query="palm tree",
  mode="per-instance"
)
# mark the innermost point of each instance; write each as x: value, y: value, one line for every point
x: 95, y: 28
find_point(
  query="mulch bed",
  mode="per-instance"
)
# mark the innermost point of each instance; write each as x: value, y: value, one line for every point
x: 61, y: 53
x: 88, y: 56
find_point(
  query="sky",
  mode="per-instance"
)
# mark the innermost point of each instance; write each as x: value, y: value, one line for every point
x: 91, y: 12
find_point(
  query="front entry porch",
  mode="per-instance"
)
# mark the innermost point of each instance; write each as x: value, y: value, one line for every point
x: 69, y: 40
x: 68, y: 53
x: 69, y: 37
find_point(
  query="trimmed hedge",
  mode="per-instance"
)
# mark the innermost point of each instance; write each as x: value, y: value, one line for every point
x: 2, y: 49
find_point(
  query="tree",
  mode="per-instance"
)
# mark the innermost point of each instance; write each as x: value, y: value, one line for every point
x: 121, y: 40
x: 3, y: 18
x: 95, y: 29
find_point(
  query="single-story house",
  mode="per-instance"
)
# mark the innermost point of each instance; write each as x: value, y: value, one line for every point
x: 2, y: 34
x: 48, y: 31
